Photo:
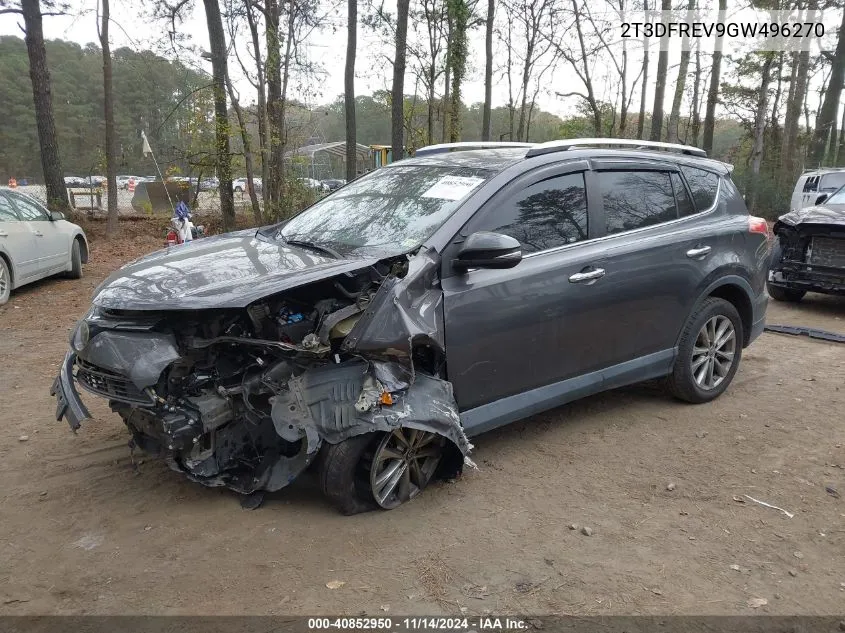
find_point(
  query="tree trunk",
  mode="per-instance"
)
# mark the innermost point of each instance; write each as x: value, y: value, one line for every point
x: 247, y: 143
x: 39, y: 74
x: 275, y: 120
x: 283, y: 104
x: 349, y: 90
x: 660, y: 83
x: 760, y: 126
x: 447, y: 84
x: 217, y: 43
x: 826, y: 119
x: 797, y: 92
x: 641, y: 119
x: 696, y: 105
x: 488, y: 72
x: 460, y: 20
x: 585, y: 73
x: 713, y: 93
x: 108, y: 111
x: 680, y: 85
x: 263, y: 123
x: 397, y: 106
x: 840, y: 149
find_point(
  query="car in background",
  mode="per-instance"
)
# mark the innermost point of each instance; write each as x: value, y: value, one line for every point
x: 426, y: 302
x: 808, y: 254
x: 813, y: 184
x: 333, y: 184
x: 312, y: 183
x: 36, y: 243
x: 210, y: 184
x: 239, y: 185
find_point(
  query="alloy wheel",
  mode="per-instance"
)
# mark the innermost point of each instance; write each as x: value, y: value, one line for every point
x: 403, y: 465
x: 714, y: 352
x: 4, y: 281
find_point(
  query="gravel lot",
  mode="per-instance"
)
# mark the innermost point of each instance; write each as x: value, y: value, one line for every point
x: 83, y: 531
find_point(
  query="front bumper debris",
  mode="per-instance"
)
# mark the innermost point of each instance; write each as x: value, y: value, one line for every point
x: 68, y: 403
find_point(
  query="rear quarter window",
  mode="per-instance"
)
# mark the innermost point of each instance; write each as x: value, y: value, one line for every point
x: 703, y: 184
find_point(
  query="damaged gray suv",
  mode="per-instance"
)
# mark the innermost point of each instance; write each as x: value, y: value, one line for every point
x: 424, y: 303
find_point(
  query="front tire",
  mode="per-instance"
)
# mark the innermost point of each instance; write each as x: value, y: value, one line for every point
x: 709, y: 352
x: 380, y: 470
x: 75, y: 271
x: 776, y: 292
x: 5, y: 282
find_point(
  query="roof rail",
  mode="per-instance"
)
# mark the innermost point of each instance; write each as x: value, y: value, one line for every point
x: 443, y: 148
x: 575, y: 143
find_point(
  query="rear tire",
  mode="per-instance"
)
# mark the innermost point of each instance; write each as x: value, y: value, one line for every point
x: 5, y: 282
x: 706, y: 364
x: 75, y: 261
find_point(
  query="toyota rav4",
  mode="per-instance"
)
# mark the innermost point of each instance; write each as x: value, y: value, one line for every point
x: 427, y: 302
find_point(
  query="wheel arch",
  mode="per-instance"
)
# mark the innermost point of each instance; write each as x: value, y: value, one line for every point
x: 11, y: 268
x: 83, y: 246
x: 736, y: 291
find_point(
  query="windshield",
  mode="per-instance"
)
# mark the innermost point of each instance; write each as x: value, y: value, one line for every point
x: 831, y: 182
x: 836, y: 198
x: 390, y: 211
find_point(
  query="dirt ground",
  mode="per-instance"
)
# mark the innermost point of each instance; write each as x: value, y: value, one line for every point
x: 82, y: 531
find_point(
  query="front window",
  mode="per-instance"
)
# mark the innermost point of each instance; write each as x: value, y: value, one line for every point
x: 388, y: 212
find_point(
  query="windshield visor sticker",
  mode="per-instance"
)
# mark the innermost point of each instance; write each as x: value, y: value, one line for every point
x: 453, y: 187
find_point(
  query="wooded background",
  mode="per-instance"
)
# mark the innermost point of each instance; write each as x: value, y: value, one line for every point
x: 771, y: 113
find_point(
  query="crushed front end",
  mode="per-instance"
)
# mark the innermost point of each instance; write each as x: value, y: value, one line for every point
x: 811, y: 252
x: 246, y: 397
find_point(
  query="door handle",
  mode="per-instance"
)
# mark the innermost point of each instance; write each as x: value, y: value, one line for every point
x: 587, y: 277
x: 39, y: 234
x: 700, y: 252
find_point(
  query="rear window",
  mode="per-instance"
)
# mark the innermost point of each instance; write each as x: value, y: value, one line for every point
x: 635, y: 199
x: 703, y: 184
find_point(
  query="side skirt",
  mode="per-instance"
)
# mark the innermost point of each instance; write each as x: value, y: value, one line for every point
x: 522, y: 405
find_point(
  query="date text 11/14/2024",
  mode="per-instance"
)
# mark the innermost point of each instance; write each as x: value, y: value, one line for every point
x: 422, y: 623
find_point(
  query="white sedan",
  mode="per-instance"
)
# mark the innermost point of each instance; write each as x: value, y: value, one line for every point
x: 36, y: 243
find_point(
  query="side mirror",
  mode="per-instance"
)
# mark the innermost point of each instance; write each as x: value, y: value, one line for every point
x: 55, y: 216
x: 488, y: 250
x: 822, y: 198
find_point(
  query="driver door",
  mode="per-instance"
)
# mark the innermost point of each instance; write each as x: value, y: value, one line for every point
x: 512, y: 331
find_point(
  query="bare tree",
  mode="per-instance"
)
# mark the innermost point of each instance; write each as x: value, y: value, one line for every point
x: 760, y: 123
x: 644, y: 92
x: 488, y: 71
x: 217, y: 44
x: 680, y: 84
x: 695, y: 125
x: 108, y: 112
x: 826, y: 119
x: 713, y: 92
x: 349, y: 90
x: 260, y: 87
x: 397, y: 121
x: 39, y: 75
x: 247, y: 143
x: 660, y: 82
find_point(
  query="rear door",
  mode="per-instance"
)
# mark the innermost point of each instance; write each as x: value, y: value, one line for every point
x: 52, y: 247
x: 648, y: 294
x: 17, y: 241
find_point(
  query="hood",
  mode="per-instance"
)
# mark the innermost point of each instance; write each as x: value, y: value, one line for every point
x: 834, y: 214
x: 225, y: 271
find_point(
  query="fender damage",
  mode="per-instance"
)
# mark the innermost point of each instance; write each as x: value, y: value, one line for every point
x: 245, y: 398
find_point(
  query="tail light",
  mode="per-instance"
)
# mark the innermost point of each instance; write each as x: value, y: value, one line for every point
x: 759, y: 225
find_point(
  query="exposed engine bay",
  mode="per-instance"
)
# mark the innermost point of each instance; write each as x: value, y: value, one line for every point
x: 811, y: 251
x: 246, y: 397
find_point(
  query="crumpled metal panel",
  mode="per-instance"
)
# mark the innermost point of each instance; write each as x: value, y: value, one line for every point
x: 141, y: 356
x: 320, y: 405
x: 403, y: 311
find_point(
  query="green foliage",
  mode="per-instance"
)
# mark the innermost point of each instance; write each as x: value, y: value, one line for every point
x: 161, y: 97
